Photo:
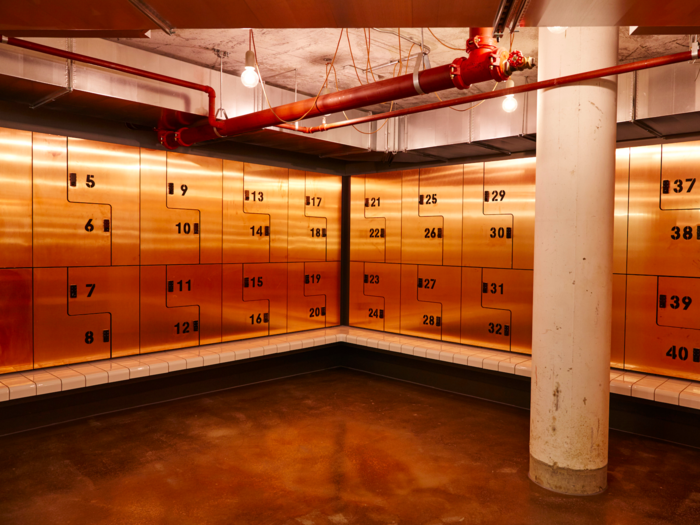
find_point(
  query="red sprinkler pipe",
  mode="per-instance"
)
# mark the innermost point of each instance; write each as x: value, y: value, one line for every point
x: 554, y: 82
x: 25, y: 44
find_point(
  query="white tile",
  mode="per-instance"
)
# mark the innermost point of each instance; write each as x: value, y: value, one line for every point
x: 175, y: 362
x: 524, y: 368
x: 447, y: 356
x: 420, y: 351
x: 331, y: 339
x: 432, y: 353
x: 115, y: 371
x: 45, y: 382
x: 690, y: 397
x: 623, y: 383
x: 192, y: 358
x: 4, y: 393
x: 283, y: 347
x: 93, y: 375
x: 342, y: 337
x: 319, y: 341
x: 670, y: 391
x: 295, y: 345
x: 362, y: 341
x: 269, y: 349
x: 477, y: 360
x: 395, y: 346
x: 19, y: 385
x: 372, y: 342
x: 209, y: 358
x: 645, y: 388
x: 614, y: 374
x: 351, y: 339
x: 508, y: 365
x: 257, y: 351
x: 305, y: 343
x: 135, y: 366
x: 407, y: 349
x: 70, y: 379
x: 461, y: 359
x: 493, y: 361
x: 242, y: 353
x: 383, y: 345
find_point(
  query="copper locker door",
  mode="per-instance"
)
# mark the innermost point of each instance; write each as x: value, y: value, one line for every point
x: 168, y: 236
x: 246, y: 235
x: 366, y: 242
x: 15, y: 199
x: 323, y: 278
x: 108, y: 174
x: 441, y: 192
x: 679, y: 302
x: 661, y: 241
x: 384, y: 280
x: 268, y: 282
x: 113, y: 290
x: 65, y: 233
x: 680, y: 188
x: 480, y: 326
x: 324, y: 199
x: 509, y: 189
x: 418, y: 318
x: 622, y: 171
x: 240, y: 318
x: 511, y: 290
x: 196, y: 183
x: 61, y: 338
x: 442, y: 284
x: 306, y: 235
x: 364, y: 311
x: 656, y: 349
x: 16, y: 338
x: 198, y: 285
x: 306, y: 312
x: 265, y: 191
x: 164, y: 328
x: 481, y: 244
x: 421, y: 237
x: 617, y: 347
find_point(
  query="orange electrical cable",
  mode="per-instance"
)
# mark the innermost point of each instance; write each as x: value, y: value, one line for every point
x: 470, y: 107
x: 443, y: 43
x: 347, y: 34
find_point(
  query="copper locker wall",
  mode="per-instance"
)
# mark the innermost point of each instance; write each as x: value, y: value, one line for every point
x: 109, y: 250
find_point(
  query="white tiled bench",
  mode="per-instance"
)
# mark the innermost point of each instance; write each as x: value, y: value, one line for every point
x: 44, y: 381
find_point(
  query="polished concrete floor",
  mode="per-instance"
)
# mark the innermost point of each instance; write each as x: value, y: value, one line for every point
x: 334, y: 447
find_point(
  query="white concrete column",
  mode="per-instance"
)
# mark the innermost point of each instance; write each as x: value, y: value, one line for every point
x: 572, y: 314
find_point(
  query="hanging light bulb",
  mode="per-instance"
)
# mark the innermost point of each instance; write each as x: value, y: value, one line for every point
x: 249, y: 77
x: 557, y: 29
x: 510, y: 104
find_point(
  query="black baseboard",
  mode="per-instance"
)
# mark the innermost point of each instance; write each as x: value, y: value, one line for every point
x: 638, y: 416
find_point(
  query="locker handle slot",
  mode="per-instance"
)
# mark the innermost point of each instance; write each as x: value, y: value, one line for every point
x: 171, y: 188
x: 437, y: 321
x: 486, y: 196
x: 196, y: 228
x: 105, y: 336
x: 484, y: 288
x: 381, y: 314
x: 73, y: 179
x: 73, y: 291
x: 306, y: 279
x: 420, y: 199
x: 439, y: 233
x: 105, y: 225
x: 247, y: 195
x: 308, y: 200
x: 171, y: 286
x: 662, y: 301
x: 267, y: 231
x: 366, y: 202
x: 666, y: 186
x: 323, y: 232
x: 246, y: 282
x: 195, y: 326
x: 381, y: 233
x: 323, y: 311
x: 266, y: 318
x: 509, y: 233
x: 506, y: 330
x: 420, y: 282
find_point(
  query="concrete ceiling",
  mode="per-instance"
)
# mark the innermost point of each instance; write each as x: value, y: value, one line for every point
x: 281, y: 51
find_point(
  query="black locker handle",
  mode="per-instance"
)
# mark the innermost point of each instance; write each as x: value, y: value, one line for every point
x: 506, y: 330
x: 247, y: 195
x: 486, y: 196
x: 105, y: 225
x: 73, y: 179
x: 195, y: 326
x: 323, y: 232
x: 437, y: 321
x: 662, y: 301
x: 171, y: 286
x: 439, y: 233
x: 381, y: 234
x: 105, y: 336
x: 420, y: 282
x: 484, y: 288
x: 420, y: 199
x: 196, y: 228
x: 323, y: 310
x: 171, y: 188
x: 381, y: 314
x: 73, y: 291
x: 267, y: 231
x: 696, y: 355
x: 366, y: 202
x: 308, y: 200
x: 509, y: 233
x: 666, y: 186
x: 266, y: 318
x: 366, y: 278
x: 306, y: 279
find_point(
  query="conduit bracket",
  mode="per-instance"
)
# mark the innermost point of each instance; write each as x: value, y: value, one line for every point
x: 694, y: 47
x: 416, y: 72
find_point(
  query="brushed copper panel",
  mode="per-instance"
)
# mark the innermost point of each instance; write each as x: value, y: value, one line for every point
x: 511, y: 290
x: 306, y: 312
x: 481, y: 326
x: 445, y: 185
x: 418, y: 318
x: 383, y: 195
x: 325, y: 200
x: 198, y: 185
x: 679, y: 302
x: 273, y: 289
x: 650, y: 347
x: 366, y: 243
x: 622, y: 173
x: 617, y: 347
x: 244, y: 233
x: 162, y: 327
x: 113, y: 290
x: 511, y: 187
x: 15, y: 198
x: 16, y: 344
x: 237, y: 322
x: 60, y: 338
x: 305, y: 233
x: 661, y: 242
x: 364, y: 309
x: 162, y: 240
x: 442, y: 284
x: 324, y: 279
x: 109, y: 174
x: 681, y: 174
x: 198, y: 285
x: 65, y: 233
x: 421, y: 237
x: 267, y: 188
x: 384, y: 280
x: 481, y: 243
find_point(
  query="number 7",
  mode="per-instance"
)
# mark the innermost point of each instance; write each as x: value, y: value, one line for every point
x: 692, y: 183
x: 92, y: 289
